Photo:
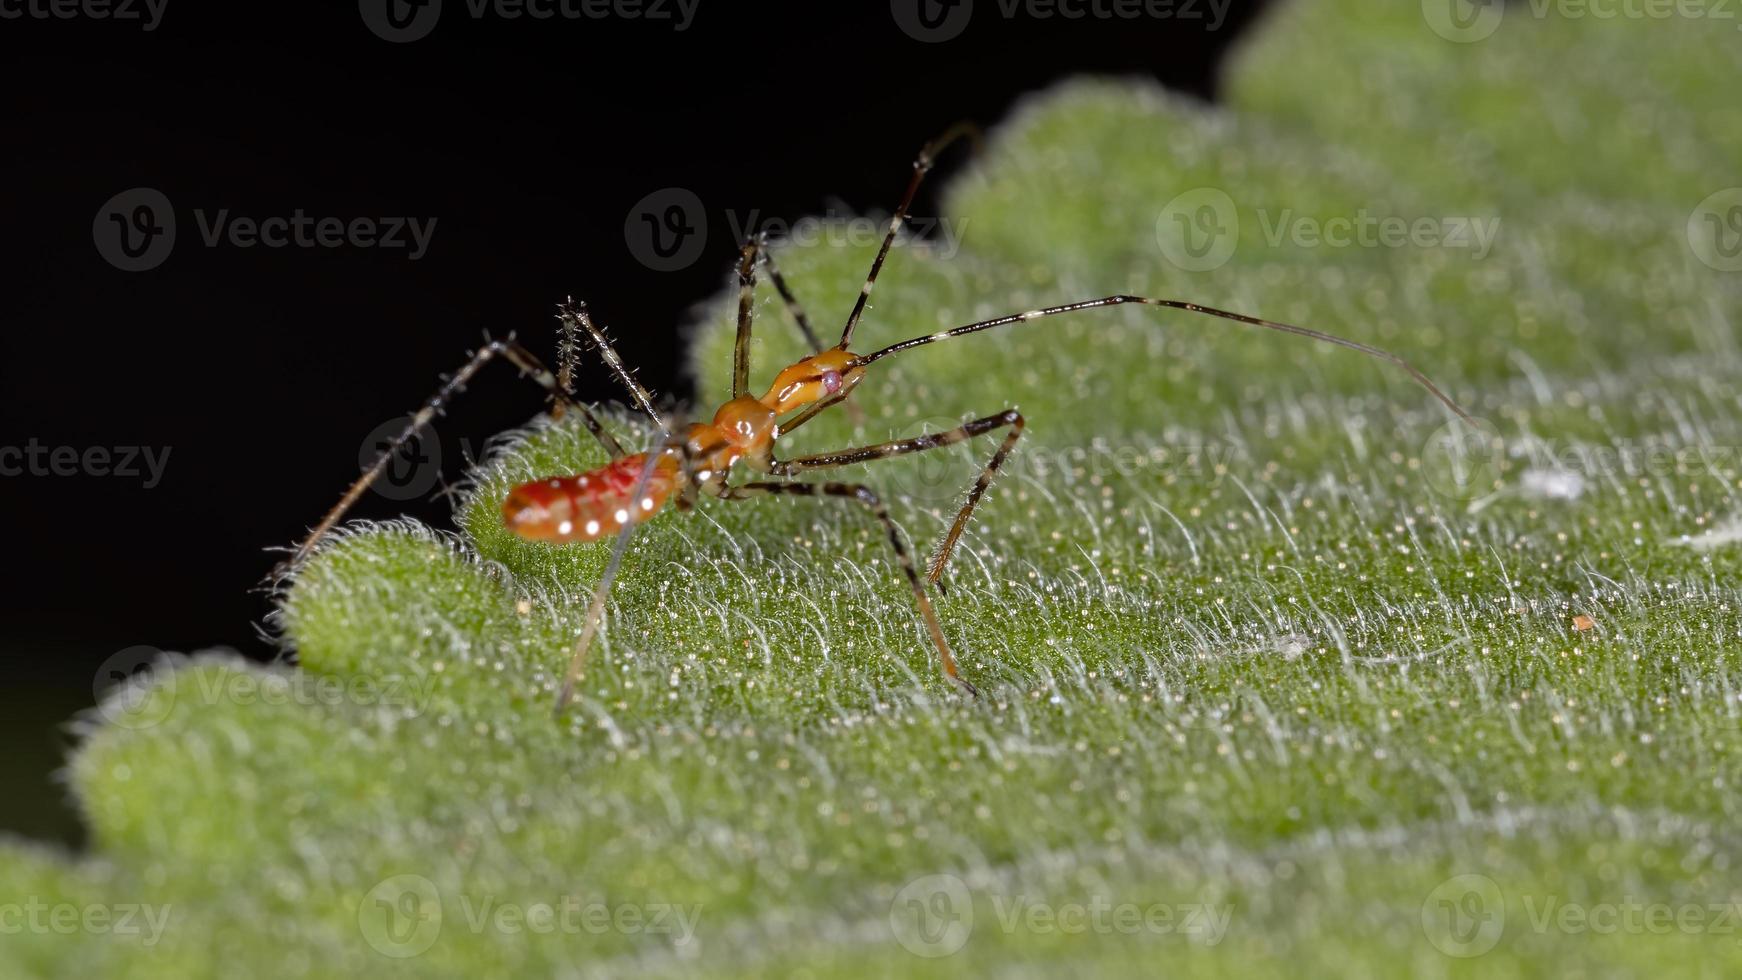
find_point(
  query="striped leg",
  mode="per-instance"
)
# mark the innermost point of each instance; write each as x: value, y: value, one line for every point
x: 792, y: 304
x: 1010, y: 418
x: 746, y: 308
x: 511, y: 351
x: 756, y: 251
x: 574, y: 315
x: 869, y: 499
x: 922, y: 164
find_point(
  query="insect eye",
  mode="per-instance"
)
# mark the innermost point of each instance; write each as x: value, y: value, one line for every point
x: 831, y: 381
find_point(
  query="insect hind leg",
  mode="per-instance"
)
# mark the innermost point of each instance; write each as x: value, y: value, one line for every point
x: 573, y: 314
x: 1010, y: 418
x: 509, y: 350
x: 868, y: 498
x: 793, y: 306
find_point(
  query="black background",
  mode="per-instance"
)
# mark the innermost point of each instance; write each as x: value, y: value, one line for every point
x: 263, y: 370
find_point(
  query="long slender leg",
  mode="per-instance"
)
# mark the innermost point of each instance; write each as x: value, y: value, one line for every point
x: 757, y: 250
x: 1173, y: 304
x: 793, y: 306
x: 922, y: 164
x: 869, y: 499
x: 575, y: 314
x: 596, y: 608
x: 1010, y: 417
x: 509, y: 350
x: 947, y: 547
x: 746, y: 305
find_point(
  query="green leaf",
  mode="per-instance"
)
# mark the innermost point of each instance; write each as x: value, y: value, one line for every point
x: 1282, y: 669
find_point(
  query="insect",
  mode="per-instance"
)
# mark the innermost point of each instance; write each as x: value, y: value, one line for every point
x: 704, y: 457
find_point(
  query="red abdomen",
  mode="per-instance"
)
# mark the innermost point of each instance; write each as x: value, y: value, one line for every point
x: 589, y: 506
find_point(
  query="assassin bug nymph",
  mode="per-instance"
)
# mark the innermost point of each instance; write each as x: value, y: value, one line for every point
x: 703, y: 457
